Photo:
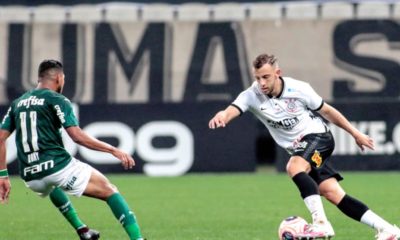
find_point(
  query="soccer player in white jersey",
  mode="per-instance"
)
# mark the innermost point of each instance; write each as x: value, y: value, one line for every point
x: 285, y: 106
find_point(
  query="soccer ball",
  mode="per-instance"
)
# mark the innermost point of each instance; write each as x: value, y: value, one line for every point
x: 290, y: 227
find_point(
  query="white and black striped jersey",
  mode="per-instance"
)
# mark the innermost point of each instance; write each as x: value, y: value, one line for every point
x: 288, y: 116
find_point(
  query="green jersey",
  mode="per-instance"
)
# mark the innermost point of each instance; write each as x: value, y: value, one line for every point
x: 37, y: 117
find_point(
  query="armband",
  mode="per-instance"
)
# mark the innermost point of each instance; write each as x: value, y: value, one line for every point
x: 3, y: 173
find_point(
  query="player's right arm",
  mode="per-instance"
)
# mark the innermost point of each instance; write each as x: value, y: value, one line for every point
x: 71, y: 125
x: 7, y: 126
x: 81, y: 138
x: 222, y: 118
x: 5, y: 185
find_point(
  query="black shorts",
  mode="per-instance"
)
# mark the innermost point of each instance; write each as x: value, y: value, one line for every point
x: 317, y: 149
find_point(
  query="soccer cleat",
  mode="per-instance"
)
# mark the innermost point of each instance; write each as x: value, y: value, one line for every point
x: 388, y: 235
x: 316, y: 231
x: 86, y: 233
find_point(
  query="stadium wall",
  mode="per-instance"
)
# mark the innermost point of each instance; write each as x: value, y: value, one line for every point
x: 147, y: 69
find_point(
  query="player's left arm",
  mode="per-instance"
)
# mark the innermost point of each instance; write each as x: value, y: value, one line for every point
x: 82, y: 138
x: 5, y: 184
x: 334, y: 116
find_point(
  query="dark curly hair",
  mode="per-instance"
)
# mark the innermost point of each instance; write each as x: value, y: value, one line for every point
x: 48, y: 64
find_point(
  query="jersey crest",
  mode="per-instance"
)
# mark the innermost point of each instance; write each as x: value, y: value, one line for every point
x: 291, y: 105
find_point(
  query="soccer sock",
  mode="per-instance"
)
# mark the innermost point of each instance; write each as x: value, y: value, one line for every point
x: 310, y: 194
x: 314, y: 205
x: 62, y: 202
x: 371, y: 219
x: 305, y: 184
x: 126, y: 217
x: 352, y: 207
x: 360, y: 212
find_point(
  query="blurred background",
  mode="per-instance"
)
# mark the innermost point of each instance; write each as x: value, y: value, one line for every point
x: 147, y: 76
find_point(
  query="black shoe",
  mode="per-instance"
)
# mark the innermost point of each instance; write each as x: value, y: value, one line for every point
x: 86, y: 233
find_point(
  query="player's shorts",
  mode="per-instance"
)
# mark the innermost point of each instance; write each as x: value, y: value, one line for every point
x: 317, y: 149
x: 73, y: 179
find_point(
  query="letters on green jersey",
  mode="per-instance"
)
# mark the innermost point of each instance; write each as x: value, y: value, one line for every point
x: 60, y: 114
x: 37, y: 117
x: 32, y: 100
x: 39, y: 167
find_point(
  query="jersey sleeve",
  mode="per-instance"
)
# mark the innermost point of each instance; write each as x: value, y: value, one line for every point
x: 63, y: 108
x: 242, y: 101
x: 8, y: 121
x: 313, y: 100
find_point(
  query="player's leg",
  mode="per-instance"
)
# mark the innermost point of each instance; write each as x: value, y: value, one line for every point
x: 45, y: 187
x: 64, y: 205
x: 100, y: 187
x: 298, y: 169
x: 357, y: 210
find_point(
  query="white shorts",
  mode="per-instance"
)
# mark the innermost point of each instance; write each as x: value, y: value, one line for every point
x: 73, y: 179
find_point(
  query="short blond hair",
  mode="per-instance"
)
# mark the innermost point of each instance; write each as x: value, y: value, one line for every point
x: 263, y: 59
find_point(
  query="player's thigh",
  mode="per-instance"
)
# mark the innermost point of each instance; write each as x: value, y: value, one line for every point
x: 331, y: 190
x: 74, y: 178
x: 99, y: 186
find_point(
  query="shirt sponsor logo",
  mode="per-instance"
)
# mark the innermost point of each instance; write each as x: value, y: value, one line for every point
x: 39, y: 167
x: 286, y: 124
x: 32, y: 100
x: 300, y: 146
x: 71, y: 183
x: 60, y: 113
x: 317, y: 159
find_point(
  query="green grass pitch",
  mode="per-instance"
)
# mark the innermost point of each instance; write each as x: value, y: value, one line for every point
x: 200, y: 207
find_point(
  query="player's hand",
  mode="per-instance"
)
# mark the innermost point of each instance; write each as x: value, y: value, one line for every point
x: 218, y: 120
x: 5, y: 188
x: 126, y: 159
x: 363, y: 141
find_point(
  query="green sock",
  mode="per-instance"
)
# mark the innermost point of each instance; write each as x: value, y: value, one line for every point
x: 126, y: 217
x: 62, y: 202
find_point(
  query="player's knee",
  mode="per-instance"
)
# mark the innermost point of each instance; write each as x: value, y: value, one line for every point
x: 105, y: 189
x: 296, y: 165
x: 113, y: 187
x: 334, y: 195
x: 328, y: 194
x: 331, y: 190
x: 110, y: 189
x: 292, y: 169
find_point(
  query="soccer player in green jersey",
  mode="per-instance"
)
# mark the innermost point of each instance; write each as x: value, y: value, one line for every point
x: 44, y: 164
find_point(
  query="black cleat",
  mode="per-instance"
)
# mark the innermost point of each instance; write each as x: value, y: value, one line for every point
x: 86, y: 233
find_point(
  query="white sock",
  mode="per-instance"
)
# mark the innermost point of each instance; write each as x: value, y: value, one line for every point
x: 314, y: 205
x: 371, y: 219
